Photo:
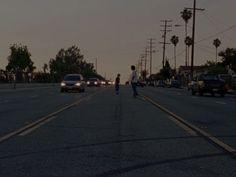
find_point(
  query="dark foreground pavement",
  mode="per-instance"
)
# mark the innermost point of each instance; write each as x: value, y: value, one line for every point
x: 110, y: 135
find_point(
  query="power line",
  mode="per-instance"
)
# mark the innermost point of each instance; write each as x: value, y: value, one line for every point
x: 216, y: 34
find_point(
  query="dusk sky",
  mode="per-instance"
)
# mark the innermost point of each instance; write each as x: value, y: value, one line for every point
x: 113, y: 31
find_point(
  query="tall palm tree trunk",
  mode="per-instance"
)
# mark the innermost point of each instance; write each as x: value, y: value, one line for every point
x: 216, y: 54
x: 175, y: 56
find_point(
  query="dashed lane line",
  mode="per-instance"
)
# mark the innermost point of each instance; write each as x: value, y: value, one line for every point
x: 221, y: 102
x: 28, y: 131
x: 197, y: 130
x: 30, y: 127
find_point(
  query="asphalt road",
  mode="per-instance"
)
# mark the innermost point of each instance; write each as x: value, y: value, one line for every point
x: 100, y: 134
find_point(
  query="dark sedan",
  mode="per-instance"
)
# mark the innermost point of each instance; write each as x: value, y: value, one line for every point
x: 73, y: 82
x: 93, y: 82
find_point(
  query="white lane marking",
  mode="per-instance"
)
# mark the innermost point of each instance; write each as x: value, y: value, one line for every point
x: 34, y: 96
x: 4, y: 101
x: 205, y: 134
x: 194, y: 97
x: 220, y: 102
x: 36, y: 127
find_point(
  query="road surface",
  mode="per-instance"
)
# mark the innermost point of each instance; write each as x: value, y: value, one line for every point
x: 45, y: 133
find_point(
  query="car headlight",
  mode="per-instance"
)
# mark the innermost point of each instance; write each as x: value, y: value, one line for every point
x: 95, y: 83
x: 78, y: 84
x: 63, y: 84
x: 88, y: 82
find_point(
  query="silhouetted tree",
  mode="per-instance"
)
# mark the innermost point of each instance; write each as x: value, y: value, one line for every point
x: 216, y: 43
x: 45, y: 67
x: 188, y: 42
x: 71, y: 61
x: 166, y: 71
x: 229, y: 58
x: 174, y: 40
x: 186, y: 16
x: 19, y: 61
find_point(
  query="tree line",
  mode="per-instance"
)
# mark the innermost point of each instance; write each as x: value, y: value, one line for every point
x: 21, y: 68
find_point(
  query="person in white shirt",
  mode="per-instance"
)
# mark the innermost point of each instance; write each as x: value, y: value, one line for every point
x: 134, y: 80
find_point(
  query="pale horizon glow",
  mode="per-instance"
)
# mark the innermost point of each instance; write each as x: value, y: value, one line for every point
x: 113, y: 31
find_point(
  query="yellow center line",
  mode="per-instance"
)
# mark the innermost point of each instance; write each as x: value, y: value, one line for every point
x: 199, y: 131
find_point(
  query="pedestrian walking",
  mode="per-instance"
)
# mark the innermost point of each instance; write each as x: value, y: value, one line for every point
x: 117, y: 84
x: 134, y: 80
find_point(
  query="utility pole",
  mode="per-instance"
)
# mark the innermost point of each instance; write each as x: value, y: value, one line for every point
x: 141, y: 61
x: 151, y: 51
x: 166, y: 26
x: 145, y: 62
x: 193, y: 34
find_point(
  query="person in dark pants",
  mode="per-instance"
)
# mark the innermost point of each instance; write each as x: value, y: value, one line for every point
x: 134, y: 80
x: 117, y: 84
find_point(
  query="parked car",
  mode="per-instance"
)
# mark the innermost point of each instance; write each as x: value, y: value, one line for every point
x: 73, y: 82
x: 141, y: 84
x: 174, y: 83
x: 209, y: 83
x: 161, y: 83
x: 93, y: 82
x: 191, y: 84
x: 228, y: 79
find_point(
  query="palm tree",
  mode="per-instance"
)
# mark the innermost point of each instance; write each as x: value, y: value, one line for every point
x: 174, y: 40
x: 188, y: 42
x: 186, y: 15
x: 216, y: 43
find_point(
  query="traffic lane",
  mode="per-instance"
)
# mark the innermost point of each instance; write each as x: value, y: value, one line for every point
x: 24, y: 107
x: 110, y: 135
x: 205, y: 112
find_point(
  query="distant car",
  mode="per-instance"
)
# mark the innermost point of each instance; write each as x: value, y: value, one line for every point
x: 161, y: 83
x: 103, y: 82
x: 110, y: 82
x: 228, y: 78
x: 174, y: 83
x: 191, y: 84
x: 141, y: 84
x: 93, y: 82
x: 73, y: 82
x: 209, y: 83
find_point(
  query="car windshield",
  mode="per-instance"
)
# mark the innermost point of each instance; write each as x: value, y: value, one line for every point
x: 210, y: 77
x: 93, y: 79
x: 72, y: 78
